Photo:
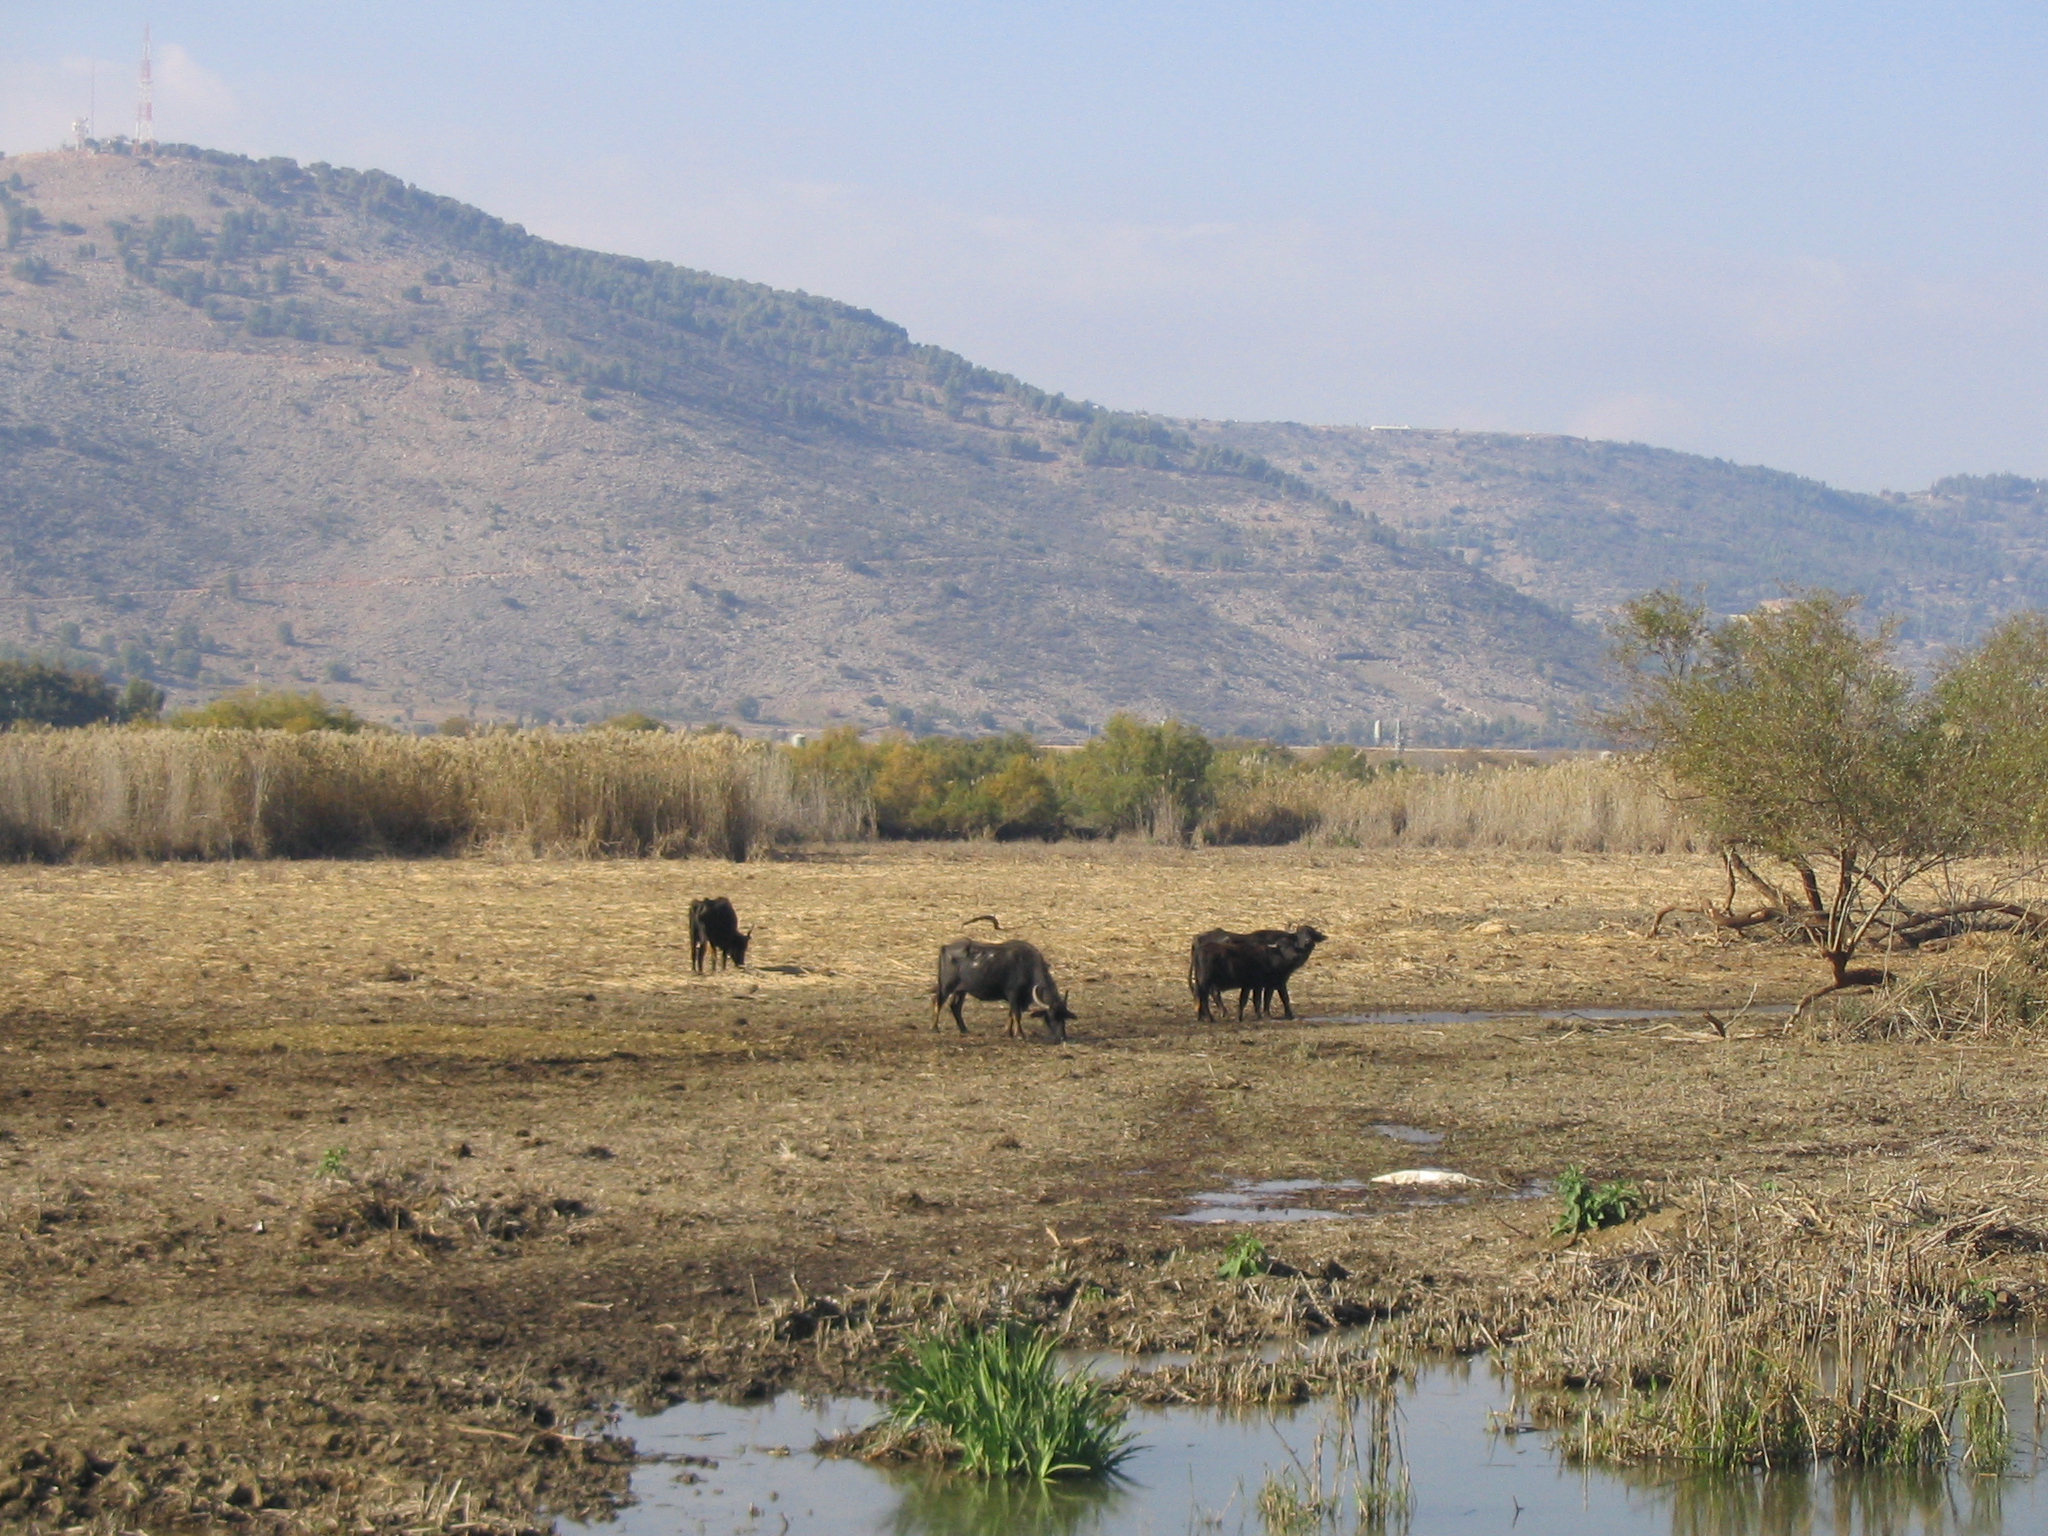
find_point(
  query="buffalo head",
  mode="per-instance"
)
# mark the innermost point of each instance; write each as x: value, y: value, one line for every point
x: 1053, y: 1009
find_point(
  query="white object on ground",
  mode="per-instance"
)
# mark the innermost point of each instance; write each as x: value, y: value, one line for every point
x: 1424, y: 1176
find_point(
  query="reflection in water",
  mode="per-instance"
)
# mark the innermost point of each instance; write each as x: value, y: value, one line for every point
x: 1202, y: 1470
x: 935, y: 1504
x: 1413, y: 1135
x: 1869, y: 1502
x: 1249, y: 1200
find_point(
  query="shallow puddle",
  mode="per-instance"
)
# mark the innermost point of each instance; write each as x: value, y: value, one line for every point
x: 1199, y: 1473
x: 1413, y: 1135
x: 1257, y: 1200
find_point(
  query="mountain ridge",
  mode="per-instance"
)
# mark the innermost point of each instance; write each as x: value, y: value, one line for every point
x: 290, y: 425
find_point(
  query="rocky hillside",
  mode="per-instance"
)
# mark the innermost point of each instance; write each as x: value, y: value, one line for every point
x: 1584, y: 525
x: 297, y: 425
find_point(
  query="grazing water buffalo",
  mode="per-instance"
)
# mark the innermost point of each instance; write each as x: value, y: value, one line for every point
x: 715, y: 933
x: 1014, y: 973
x: 1257, y: 964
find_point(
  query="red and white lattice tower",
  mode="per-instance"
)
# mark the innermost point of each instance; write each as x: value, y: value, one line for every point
x: 145, y: 104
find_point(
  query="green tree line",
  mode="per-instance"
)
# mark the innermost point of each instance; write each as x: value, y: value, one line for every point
x: 1160, y: 780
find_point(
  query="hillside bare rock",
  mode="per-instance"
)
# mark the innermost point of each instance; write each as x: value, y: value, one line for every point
x: 1587, y: 525
x: 301, y: 426
x: 265, y: 423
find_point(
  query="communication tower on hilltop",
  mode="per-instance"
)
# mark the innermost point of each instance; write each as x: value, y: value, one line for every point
x: 82, y: 127
x: 145, y: 105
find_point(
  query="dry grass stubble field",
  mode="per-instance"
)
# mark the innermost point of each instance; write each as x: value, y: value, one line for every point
x: 329, y: 1185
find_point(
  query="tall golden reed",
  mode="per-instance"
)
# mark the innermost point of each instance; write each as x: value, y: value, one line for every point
x: 108, y: 793
x: 1775, y: 1328
x: 1577, y: 806
x: 112, y: 793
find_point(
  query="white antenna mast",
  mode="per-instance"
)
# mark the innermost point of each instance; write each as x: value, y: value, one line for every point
x: 145, y: 105
x: 81, y: 127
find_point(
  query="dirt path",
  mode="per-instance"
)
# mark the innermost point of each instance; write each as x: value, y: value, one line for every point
x: 345, y: 1189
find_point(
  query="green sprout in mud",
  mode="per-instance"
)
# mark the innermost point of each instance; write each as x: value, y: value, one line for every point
x: 1246, y: 1256
x: 994, y: 1400
x: 1588, y: 1206
x: 1979, y: 1298
x: 333, y: 1164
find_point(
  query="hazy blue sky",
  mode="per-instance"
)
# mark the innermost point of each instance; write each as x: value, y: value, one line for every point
x: 1804, y: 235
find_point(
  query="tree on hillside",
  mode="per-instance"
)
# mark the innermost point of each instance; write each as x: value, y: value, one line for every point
x: 1828, y: 780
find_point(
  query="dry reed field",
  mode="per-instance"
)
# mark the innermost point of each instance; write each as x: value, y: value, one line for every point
x: 110, y: 793
x: 332, y: 1187
x: 1567, y: 807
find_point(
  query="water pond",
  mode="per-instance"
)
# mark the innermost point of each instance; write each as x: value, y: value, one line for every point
x: 733, y: 1470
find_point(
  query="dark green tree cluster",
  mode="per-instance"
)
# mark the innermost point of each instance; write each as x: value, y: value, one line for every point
x: 173, y: 255
x: 37, y: 693
x: 24, y: 220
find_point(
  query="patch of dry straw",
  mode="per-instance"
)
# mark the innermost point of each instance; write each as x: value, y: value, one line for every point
x: 1996, y: 989
x: 1775, y: 1329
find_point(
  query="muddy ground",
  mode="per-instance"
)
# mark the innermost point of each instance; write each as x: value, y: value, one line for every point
x: 336, y: 1196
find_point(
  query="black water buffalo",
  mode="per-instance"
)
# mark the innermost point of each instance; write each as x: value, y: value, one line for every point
x: 1257, y: 964
x: 715, y: 933
x: 1014, y: 973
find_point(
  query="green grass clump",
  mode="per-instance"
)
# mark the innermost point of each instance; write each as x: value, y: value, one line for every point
x: 1246, y: 1256
x: 994, y: 1400
x: 1288, y: 1507
x: 1588, y: 1207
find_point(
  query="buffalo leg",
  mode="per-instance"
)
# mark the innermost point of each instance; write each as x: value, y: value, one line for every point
x: 958, y: 999
x: 1286, y: 1004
